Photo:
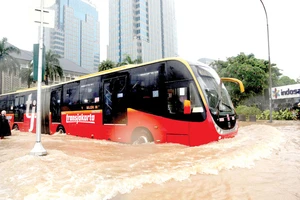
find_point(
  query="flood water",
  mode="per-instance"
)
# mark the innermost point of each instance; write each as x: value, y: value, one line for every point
x: 261, y: 162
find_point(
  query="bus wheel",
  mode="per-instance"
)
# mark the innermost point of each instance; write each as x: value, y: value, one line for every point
x: 15, y: 127
x: 141, y: 136
x: 60, y: 129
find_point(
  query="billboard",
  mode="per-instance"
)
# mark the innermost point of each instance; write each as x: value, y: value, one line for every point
x: 287, y: 91
x: 36, y: 62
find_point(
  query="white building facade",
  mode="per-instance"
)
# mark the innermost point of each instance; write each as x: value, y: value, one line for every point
x: 143, y: 29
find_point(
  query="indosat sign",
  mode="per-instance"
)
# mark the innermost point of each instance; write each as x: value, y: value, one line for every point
x: 287, y: 91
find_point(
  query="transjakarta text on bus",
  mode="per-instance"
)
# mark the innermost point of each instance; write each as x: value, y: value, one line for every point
x: 165, y: 101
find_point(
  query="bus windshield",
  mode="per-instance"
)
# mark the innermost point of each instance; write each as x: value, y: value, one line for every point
x: 216, y: 94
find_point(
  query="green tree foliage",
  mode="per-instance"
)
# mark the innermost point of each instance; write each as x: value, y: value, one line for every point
x: 128, y: 60
x: 251, y: 71
x: 53, y: 67
x: 7, y: 62
x: 26, y: 74
x: 285, y: 80
x: 105, y: 65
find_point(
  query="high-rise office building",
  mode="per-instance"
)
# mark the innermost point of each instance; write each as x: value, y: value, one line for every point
x: 76, y: 34
x: 142, y: 29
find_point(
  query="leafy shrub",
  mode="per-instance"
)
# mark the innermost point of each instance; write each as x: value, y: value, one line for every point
x: 278, y: 115
x: 247, y: 111
x: 241, y: 110
x: 265, y: 115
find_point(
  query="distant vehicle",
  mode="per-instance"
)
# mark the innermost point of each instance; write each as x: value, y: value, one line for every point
x: 165, y: 101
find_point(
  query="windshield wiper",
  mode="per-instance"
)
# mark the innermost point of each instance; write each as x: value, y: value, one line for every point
x: 228, y: 106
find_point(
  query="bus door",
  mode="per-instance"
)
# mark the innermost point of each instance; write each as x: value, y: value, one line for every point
x: 55, y: 103
x: 114, y: 107
x: 177, y: 124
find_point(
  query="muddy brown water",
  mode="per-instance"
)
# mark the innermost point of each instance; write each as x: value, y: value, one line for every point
x: 261, y: 162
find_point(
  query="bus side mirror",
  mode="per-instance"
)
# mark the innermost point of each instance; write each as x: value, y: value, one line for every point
x: 234, y: 80
x: 187, y: 107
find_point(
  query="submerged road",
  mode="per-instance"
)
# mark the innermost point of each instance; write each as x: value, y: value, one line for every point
x: 261, y: 162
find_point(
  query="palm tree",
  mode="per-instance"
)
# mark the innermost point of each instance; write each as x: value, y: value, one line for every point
x: 105, y: 65
x: 53, y: 67
x: 127, y: 61
x: 26, y: 74
x: 7, y: 62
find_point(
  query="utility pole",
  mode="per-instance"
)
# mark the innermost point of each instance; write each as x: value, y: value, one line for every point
x: 270, y: 74
x: 38, y: 149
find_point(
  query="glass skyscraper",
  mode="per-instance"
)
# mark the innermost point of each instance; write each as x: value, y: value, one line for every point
x: 142, y: 29
x: 76, y: 34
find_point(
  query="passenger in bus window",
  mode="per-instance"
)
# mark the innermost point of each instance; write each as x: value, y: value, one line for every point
x: 175, y: 106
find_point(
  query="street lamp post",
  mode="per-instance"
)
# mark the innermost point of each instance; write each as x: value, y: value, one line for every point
x: 270, y: 77
x: 38, y: 149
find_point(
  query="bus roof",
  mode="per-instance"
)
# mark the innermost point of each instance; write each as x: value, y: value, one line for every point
x: 116, y: 69
x: 130, y: 66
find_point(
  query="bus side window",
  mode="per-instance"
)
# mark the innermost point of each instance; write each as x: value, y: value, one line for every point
x: 145, y: 90
x: 10, y: 105
x: 16, y: 110
x: 3, y: 103
x: 196, y: 103
x: 89, y: 91
x: 16, y: 101
x: 176, y: 71
x: 71, y: 93
x: 22, y: 107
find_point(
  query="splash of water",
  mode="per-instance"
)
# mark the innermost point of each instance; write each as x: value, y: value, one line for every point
x: 96, y: 169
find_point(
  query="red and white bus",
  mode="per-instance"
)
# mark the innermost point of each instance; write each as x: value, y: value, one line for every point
x: 165, y: 101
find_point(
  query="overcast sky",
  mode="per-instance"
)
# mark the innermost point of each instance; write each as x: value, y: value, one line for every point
x: 214, y: 29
